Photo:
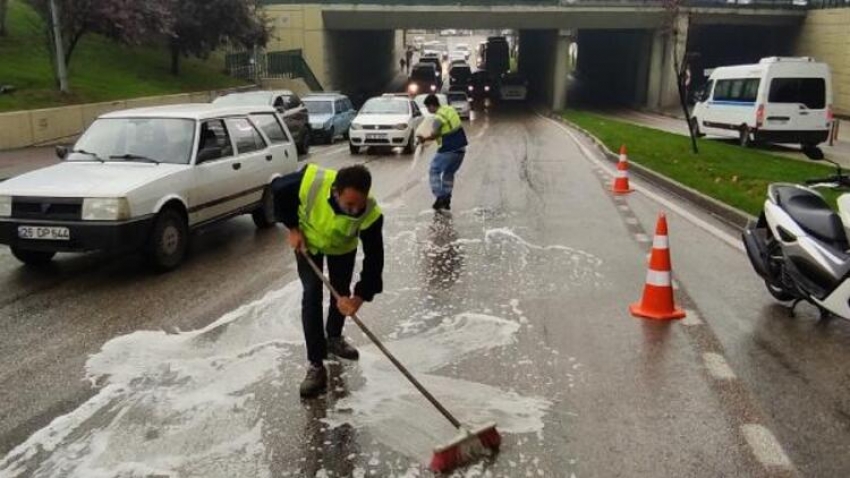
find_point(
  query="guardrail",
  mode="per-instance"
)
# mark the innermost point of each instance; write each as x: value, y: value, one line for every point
x: 289, y: 64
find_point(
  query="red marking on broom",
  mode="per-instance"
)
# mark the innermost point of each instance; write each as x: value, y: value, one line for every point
x: 466, y: 448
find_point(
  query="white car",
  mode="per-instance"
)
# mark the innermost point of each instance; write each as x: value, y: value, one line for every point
x: 513, y: 87
x: 385, y: 121
x: 460, y: 102
x: 458, y: 55
x: 145, y: 179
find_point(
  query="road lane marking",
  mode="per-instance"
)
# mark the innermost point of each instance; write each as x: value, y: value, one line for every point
x: 692, y: 317
x: 718, y: 367
x: 723, y: 236
x: 765, y: 447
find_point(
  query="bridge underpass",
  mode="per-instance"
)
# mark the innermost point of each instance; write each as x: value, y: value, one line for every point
x: 625, y: 57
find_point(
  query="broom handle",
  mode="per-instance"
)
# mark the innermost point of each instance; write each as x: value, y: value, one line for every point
x: 383, y: 349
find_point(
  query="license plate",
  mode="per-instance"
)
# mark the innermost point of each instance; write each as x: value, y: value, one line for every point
x: 375, y: 136
x: 44, y: 233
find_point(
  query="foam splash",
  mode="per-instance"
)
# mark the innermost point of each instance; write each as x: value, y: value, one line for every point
x: 185, y: 404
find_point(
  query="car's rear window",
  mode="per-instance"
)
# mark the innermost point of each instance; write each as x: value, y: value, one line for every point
x: 806, y: 91
x: 456, y: 97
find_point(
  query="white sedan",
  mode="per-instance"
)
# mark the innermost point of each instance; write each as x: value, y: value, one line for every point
x: 460, y: 102
x: 145, y: 178
x: 385, y: 121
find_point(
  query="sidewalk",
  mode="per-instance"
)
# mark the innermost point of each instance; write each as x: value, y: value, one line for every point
x: 673, y: 123
x: 18, y: 161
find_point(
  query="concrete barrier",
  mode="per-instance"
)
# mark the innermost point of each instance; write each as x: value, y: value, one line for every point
x: 21, y: 129
x: 15, y: 129
x: 53, y: 124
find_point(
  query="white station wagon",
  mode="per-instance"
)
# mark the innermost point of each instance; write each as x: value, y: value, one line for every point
x: 145, y: 178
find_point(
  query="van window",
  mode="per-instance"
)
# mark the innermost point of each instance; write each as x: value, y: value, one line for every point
x: 742, y: 90
x: 269, y: 124
x: 807, y: 91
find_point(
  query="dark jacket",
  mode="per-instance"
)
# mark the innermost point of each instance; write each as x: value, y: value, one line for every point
x: 286, y: 199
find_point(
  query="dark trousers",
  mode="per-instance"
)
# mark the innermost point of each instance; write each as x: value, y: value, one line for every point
x: 340, y: 270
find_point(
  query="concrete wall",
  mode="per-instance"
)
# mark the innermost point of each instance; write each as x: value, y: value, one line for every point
x: 21, y: 129
x: 825, y: 35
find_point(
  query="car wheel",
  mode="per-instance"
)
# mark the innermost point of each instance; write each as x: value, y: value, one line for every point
x: 304, y: 147
x: 355, y: 150
x: 169, y: 240
x: 411, y: 146
x: 32, y: 258
x: 264, y: 216
x: 329, y: 137
x: 744, y: 136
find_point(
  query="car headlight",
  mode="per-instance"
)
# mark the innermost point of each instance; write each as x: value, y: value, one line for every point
x: 401, y: 126
x: 106, y: 209
x: 433, y: 88
x: 355, y: 126
x: 5, y: 206
x: 486, y: 88
x: 413, y: 88
x: 437, y: 74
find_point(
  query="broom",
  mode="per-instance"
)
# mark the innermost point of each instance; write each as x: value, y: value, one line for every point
x: 464, y: 448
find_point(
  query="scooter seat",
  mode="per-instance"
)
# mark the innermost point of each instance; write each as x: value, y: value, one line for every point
x: 814, y: 215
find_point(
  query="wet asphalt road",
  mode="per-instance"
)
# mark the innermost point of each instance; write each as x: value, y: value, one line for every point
x: 514, y: 308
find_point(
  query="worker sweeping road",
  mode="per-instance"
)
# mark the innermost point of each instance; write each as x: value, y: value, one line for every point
x: 448, y: 131
x: 328, y: 213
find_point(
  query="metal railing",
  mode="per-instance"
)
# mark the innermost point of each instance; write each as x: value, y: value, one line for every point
x: 258, y: 65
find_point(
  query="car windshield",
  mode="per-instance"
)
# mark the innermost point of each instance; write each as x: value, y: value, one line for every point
x: 166, y: 140
x: 386, y: 106
x: 457, y: 97
x: 252, y: 98
x: 461, y: 72
x: 319, y: 107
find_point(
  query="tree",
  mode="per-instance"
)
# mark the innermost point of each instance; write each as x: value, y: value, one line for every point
x: 201, y: 26
x: 680, y: 60
x: 4, y: 7
x: 127, y: 21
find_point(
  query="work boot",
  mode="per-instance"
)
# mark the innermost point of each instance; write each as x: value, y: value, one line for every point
x: 447, y: 202
x: 441, y: 203
x: 341, y: 348
x: 316, y: 381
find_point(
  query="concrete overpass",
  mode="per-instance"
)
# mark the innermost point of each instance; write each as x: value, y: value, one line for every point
x: 626, y: 52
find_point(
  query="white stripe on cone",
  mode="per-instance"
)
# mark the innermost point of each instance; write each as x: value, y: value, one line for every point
x: 623, y: 158
x: 660, y: 242
x: 622, y: 174
x: 658, y: 278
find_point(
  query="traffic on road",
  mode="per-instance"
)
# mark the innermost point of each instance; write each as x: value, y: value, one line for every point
x: 445, y: 280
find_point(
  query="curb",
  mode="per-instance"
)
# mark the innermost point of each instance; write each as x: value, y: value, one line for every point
x: 726, y: 213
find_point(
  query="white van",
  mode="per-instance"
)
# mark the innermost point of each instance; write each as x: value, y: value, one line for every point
x: 779, y: 100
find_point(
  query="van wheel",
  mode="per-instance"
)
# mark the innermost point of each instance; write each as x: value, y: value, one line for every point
x: 169, y: 240
x: 32, y: 258
x: 264, y: 216
x: 693, y: 123
x: 744, y: 136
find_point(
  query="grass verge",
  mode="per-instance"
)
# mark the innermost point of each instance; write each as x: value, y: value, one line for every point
x: 100, y: 70
x: 736, y: 176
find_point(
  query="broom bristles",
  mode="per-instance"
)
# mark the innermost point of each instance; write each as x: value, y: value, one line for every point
x: 466, y: 448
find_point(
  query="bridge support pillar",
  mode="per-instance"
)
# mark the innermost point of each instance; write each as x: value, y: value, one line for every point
x: 662, y: 92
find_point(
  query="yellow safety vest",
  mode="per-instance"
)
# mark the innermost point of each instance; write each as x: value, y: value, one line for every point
x: 326, y: 231
x: 449, y: 121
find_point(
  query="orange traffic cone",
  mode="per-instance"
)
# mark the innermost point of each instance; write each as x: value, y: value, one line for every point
x: 621, y: 180
x: 657, y: 302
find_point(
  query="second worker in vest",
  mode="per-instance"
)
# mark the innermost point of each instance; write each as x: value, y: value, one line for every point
x: 328, y: 213
x: 451, y: 138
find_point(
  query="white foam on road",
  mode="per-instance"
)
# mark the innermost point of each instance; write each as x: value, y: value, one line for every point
x: 184, y: 404
x: 403, y: 420
x: 718, y: 367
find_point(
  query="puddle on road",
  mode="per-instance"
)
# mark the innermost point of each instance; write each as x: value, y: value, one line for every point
x: 208, y: 402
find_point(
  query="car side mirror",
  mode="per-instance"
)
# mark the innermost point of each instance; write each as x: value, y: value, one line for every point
x: 62, y: 151
x: 208, y: 154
